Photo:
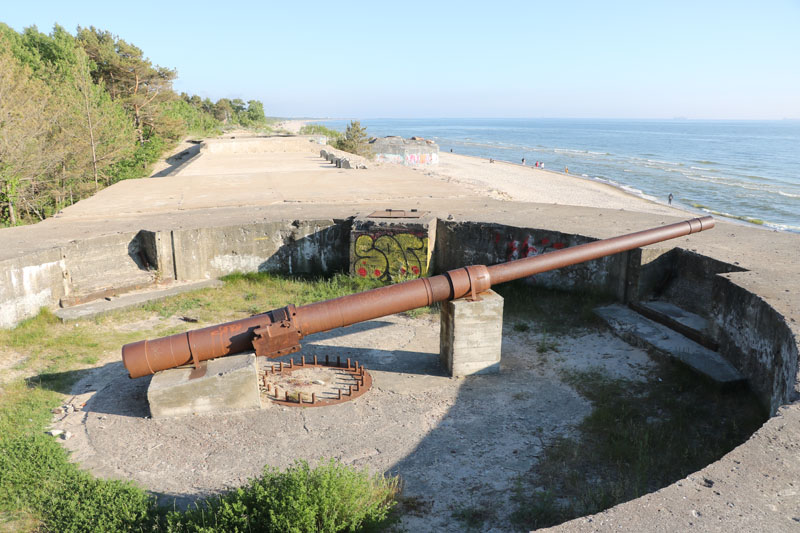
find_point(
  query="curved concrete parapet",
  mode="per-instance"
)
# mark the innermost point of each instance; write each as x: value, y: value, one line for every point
x: 731, y: 277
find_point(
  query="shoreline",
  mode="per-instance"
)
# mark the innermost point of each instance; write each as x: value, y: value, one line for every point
x: 619, y: 189
x: 691, y: 204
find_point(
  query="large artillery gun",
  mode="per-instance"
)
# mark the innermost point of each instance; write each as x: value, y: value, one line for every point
x: 278, y: 332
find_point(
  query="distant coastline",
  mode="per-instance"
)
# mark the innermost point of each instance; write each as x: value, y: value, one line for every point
x: 741, y: 170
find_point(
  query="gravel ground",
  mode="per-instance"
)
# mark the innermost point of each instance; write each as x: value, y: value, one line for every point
x: 456, y: 443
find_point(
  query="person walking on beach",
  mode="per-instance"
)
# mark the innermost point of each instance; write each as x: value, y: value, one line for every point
x: 669, y: 198
x: 566, y: 170
x: 523, y: 161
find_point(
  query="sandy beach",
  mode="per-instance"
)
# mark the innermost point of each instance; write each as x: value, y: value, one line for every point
x: 509, y: 181
x: 502, y: 180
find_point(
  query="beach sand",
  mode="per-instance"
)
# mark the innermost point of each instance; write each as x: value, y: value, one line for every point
x: 510, y: 181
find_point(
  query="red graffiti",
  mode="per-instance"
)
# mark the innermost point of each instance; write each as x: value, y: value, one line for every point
x: 529, y: 247
x: 377, y: 273
x: 415, y: 270
x: 362, y: 272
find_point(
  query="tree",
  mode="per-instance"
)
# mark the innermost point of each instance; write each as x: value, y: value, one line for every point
x: 25, y: 128
x: 99, y: 126
x: 132, y: 79
x: 223, y: 111
x: 255, y: 112
x: 354, y: 140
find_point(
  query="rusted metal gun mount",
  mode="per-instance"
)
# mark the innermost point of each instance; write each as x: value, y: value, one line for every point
x: 279, y: 336
x: 278, y: 332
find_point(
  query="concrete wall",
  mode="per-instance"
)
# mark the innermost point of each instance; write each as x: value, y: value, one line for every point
x: 680, y: 276
x: 307, y: 247
x: 752, y: 335
x: 391, y: 249
x: 460, y: 244
x: 405, y: 151
x: 74, y: 273
x: 29, y: 283
x: 757, y: 340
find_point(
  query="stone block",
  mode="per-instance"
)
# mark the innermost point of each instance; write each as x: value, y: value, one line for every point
x: 471, y: 335
x: 323, y: 154
x: 220, y: 385
x: 391, y: 249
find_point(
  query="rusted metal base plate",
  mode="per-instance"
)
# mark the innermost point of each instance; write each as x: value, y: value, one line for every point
x: 314, y: 384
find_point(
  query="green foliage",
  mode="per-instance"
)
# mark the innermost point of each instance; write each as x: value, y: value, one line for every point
x: 137, y: 164
x: 328, y: 498
x: 194, y: 120
x: 81, y: 112
x: 319, y: 129
x: 354, y: 139
x: 40, y: 488
x: 36, y: 474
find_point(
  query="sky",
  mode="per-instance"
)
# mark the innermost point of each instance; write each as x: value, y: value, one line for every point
x: 424, y: 59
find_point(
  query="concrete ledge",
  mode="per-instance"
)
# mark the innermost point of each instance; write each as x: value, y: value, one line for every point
x: 129, y: 300
x: 220, y: 385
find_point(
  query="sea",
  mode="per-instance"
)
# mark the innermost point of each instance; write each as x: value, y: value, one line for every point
x: 745, y: 170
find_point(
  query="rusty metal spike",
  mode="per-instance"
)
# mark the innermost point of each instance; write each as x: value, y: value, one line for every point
x: 327, y: 363
x: 348, y: 363
x: 349, y: 390
x: 340, y: 394
x: 315, y: 360
x: 281, y: 366
x: 313, y: 398
x: 302, y: 360
x: 338, y: 362
x: 291, y: 362
x: 356, y: 366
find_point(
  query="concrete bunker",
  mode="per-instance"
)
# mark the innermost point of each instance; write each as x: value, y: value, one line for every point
x: 748, y: 331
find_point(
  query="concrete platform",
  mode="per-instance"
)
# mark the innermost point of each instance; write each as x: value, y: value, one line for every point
x: 219, y: 385
x: 100, y: 307
x: 641, y: 331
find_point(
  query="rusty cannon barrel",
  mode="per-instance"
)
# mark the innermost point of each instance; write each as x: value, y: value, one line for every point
x: 278, y: 332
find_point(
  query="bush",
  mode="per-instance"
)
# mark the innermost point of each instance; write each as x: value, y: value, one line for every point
x: 319, y: 129
x: 354, y: 139
x: 328, y: 498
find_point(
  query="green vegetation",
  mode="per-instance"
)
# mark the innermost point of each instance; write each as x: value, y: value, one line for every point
x: 318, y: 129
x: 82, y: 112
x: 328, y: 498
x: 41, y: 489
x: 354, y: 140
x: 641, y: 436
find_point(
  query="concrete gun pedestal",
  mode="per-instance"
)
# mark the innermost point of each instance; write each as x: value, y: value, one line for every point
x: 219, y: 385
x: 472, y: 335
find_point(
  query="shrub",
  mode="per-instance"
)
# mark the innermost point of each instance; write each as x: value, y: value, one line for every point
x: 328, y: 498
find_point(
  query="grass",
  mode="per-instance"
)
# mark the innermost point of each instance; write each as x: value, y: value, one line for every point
x: 41, y: 490
x: 318, y: 129
x: 639, y: 437
x: 328, y: 498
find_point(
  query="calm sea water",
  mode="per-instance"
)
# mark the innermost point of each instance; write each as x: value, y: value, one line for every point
x: 741, y: 169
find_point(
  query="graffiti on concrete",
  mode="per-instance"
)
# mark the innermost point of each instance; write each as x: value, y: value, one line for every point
x: 529, y: 247
x: 390, y: 256
x: 409, y: 159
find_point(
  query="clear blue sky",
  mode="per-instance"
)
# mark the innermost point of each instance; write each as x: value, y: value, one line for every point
x: 614, y: 59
